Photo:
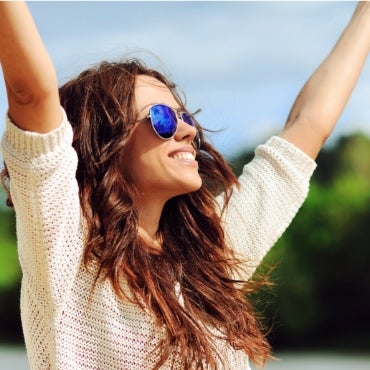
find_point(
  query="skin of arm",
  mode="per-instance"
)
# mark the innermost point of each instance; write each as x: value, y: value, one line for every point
x: 325, y: 94
x: 29, y: 74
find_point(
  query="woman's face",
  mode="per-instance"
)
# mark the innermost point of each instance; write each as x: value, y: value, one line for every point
x: 160, y: 168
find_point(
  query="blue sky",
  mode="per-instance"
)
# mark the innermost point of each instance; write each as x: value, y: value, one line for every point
x: 242, y: 63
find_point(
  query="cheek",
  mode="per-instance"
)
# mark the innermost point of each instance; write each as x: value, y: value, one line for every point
x: 145, y: 166
x: 142, y: 152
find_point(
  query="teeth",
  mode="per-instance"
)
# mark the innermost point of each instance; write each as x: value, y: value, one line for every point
x: 183, y: 155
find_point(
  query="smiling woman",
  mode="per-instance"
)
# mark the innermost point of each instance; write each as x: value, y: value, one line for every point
x: 137, y: 242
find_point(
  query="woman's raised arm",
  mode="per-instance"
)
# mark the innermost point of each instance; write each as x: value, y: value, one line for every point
x: 325, y: 94
x: 29, y: 74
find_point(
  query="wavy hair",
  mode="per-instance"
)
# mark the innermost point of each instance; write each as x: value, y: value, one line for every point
x: 100, y: 104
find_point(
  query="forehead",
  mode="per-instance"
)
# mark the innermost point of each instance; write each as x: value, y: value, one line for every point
x: 150, y: 91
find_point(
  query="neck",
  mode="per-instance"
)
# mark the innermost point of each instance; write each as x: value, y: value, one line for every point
x: 149, y: 216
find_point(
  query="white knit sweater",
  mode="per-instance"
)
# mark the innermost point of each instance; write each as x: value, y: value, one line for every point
x: 65, y: 330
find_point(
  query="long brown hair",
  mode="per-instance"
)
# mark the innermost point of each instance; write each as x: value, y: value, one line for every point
x: 101, y: 107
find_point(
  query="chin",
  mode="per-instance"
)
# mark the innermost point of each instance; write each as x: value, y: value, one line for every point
x: 190, y: 188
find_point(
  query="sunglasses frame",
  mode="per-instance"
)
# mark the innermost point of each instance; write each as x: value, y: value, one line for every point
x: 179, y: 115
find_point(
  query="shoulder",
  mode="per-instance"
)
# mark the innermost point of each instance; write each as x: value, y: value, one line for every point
x: 32, y: 149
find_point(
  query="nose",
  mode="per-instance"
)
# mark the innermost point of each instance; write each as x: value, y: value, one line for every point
x: 185, y: 132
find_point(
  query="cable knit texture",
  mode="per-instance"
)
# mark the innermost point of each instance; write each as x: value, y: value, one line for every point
x: 68, y: 327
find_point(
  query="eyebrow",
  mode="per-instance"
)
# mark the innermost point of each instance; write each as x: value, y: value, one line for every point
x: 179, y: 109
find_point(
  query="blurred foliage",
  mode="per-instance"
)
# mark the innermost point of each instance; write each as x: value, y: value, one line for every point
x: 9, y: 271
x: 321, y: 296
x: 10, y: 276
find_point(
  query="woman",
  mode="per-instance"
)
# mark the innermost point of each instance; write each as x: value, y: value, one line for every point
x: 136, y: 241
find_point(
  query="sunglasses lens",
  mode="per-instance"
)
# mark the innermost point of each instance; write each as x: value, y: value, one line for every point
x: 164, y: 120
x: 187, y: 118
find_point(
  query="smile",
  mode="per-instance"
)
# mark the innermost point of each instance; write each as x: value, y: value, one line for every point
x: 183, y: 156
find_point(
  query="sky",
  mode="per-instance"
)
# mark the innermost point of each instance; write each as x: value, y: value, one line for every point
x: 241, y: 63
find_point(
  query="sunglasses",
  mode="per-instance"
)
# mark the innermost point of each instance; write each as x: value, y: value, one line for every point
x: 164, y: 120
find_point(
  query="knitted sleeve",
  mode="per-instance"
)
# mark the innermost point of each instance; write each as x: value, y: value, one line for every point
x: 44, y: 192
x: 273, y: 187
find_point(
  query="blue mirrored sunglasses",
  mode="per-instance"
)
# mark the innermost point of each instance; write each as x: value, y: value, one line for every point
x: 164, y: 120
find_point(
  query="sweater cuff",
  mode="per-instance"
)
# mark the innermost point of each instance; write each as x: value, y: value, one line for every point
x: 36, y: 144
x: 291, y: 153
